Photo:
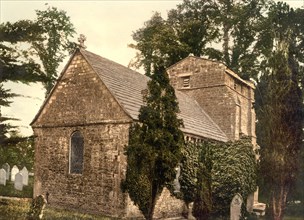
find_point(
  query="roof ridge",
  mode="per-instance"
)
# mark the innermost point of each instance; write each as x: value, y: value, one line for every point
x: 125, y: 86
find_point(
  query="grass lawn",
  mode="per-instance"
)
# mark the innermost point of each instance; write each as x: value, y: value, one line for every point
x: 10, y: 191
x: 14, y: 209
x: 17, y: 209
x: 293, y: 218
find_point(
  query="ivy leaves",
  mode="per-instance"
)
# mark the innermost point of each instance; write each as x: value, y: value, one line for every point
x: 212, y: 173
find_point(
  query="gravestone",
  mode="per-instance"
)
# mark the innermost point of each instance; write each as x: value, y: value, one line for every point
x: 7, y: 168
x: 2, y: 177
x: 18, y: 181
x: 15, y: 170
x: 176, y: 183
x: 235, y: 207
x: 25, y: 175
x: 190, y: 215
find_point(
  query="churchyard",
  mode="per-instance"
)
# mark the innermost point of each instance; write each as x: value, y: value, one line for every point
x: 15, y: 182
x: 16, y: 192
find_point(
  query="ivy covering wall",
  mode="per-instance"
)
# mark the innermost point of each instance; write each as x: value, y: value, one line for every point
x: 212, y: 173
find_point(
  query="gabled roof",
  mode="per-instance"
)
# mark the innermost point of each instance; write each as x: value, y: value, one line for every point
x: 127, y: 85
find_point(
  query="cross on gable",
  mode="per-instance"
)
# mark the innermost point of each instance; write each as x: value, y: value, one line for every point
x: 81, y: 41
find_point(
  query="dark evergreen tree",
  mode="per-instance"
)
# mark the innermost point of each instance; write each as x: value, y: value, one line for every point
x: 15, y: 63
x: 48, y: 40
x: 154, y: 146
x: 280, y: 132
x: 279, y: 105
x: 5, y: 127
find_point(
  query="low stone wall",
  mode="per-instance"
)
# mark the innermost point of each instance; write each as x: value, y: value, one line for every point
x: 167, y: 206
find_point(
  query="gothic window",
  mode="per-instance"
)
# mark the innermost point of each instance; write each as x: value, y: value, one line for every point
x: 76, y: 153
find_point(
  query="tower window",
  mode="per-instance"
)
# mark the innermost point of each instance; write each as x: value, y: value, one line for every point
x: 186, y: 81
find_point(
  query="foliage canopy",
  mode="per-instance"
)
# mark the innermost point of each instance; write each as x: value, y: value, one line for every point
x: 154, y: 146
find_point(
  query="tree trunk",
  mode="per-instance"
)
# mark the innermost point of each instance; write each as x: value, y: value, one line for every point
x: 154, y: 194
x: 226, y: 28
x: 226, y: 44
x: 151, y: 211
x: 278, y: 203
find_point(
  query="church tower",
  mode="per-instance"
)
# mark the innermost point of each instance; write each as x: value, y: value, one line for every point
x: 226, y: 97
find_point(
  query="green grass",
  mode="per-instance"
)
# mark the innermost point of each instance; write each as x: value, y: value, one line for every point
x: 293, y: 218
x: 12, y: 209
x: 10, y: 191
x: 17, y: 209
x: 50, y: 214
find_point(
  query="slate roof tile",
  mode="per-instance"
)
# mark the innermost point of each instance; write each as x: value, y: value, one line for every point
x: 127, y: 85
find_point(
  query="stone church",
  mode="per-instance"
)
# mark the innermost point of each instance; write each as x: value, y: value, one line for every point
x: 83, y: 126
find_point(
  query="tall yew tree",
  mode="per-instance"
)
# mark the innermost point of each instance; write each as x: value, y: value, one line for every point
x: 154, y: 148
x: 279, y: 105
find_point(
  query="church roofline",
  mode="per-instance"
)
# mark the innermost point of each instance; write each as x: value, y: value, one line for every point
x: 126, y: 87
x: 82, y: 51
x: 226, y: 69
x: 54, y: 87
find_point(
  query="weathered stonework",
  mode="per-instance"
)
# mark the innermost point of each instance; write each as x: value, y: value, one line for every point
x: 91, y: 98
x: 81, y: 102
x: 221, y: 93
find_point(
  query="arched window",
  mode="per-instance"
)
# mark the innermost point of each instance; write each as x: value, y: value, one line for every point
x: 76, y: 153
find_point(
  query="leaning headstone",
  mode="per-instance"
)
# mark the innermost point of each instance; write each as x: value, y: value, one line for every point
x: 18, y: 182
x: 235, y: 207
x: 2, y: 177
x: 25, y: 175
x: 36, y: 211
x: 7, y: 168
x: 15, y: 170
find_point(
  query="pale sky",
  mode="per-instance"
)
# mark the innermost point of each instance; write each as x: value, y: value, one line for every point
x: 107, y: 25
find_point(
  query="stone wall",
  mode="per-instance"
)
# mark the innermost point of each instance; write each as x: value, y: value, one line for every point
x: 98, y: 188
x: 167, y: 206
x: 80, y: 101
x: 220, y: 92
x: 80, y: 97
